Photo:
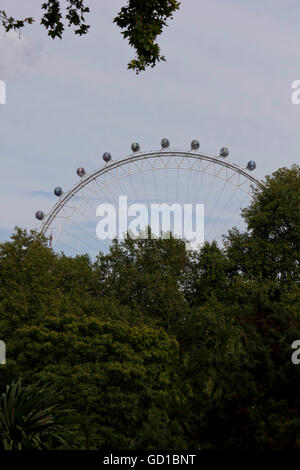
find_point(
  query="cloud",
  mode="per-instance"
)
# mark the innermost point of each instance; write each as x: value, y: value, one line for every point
x: 18, y: 53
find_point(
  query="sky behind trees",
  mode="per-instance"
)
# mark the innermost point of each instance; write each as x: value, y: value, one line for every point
x: 227, y: 81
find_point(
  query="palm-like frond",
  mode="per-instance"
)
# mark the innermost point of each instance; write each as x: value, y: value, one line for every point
x: 30, y: 416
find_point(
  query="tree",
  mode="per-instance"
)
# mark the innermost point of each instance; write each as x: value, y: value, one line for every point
x: 207, y: 275
x: 270, y: 248
x: 154, y: 346
x: 142, y: 21
x: 59, y: 326
x: 147, y: 274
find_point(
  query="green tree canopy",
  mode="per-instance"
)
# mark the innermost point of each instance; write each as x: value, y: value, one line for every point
x: 156, y: 346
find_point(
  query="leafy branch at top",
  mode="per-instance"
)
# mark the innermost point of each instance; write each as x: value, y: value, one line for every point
x: 52, y: 19
x: 8, y: 22
x: 141, y: 22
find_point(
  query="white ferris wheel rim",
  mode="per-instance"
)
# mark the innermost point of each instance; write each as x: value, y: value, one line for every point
x: 138, y: 156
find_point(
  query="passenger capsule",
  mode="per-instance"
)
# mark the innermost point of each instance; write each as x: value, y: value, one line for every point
x: 106, y: 157
x: 251, y: 165
x: 58, y: 191
x: 164, y: 143
x: 39, y: 215
x: 195, y: 144
x: 224, y: 152
x: 80, y: 171
x: 135, y: 147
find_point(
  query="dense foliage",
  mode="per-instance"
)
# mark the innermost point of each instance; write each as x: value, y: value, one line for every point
x: 153, y: 346
x: 141, y: 22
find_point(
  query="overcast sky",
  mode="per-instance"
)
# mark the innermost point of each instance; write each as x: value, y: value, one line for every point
x: 227, y: 81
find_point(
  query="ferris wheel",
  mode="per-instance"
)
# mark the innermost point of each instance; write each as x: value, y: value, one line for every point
x: 162, y: 176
